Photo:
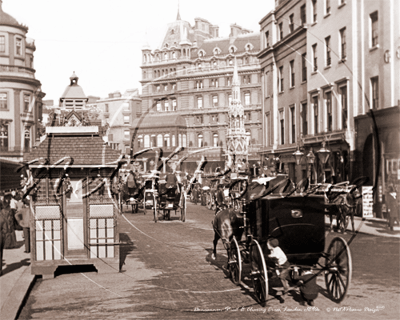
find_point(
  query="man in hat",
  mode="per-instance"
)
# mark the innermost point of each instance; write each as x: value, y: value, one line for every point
x: 220, y: 199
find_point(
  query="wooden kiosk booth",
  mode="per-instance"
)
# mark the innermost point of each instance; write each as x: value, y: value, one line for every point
x: 74, y: 218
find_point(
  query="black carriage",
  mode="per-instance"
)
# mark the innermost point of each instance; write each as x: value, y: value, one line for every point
x: 130, y: 190
x: 275, y: 209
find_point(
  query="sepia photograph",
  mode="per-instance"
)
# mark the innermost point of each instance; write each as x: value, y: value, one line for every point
x: 174, y: 159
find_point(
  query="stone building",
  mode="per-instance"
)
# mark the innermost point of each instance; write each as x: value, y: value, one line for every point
x: 190, y: 76
x: 20, y: 92
x: 331, y: 90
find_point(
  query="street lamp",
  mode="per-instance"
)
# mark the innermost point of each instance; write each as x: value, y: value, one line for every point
x: 310, y: 160
x: 298, y: 155
x: 323, y: 155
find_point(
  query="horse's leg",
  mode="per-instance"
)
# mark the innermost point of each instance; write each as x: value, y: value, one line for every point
x: 216, y: 238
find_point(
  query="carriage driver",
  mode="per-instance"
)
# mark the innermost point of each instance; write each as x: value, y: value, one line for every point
x: 220, y: 199
x: 172, y: 181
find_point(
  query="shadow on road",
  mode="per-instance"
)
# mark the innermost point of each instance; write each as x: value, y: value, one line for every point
x: 126, y: 247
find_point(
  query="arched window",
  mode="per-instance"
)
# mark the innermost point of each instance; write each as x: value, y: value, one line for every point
x: 180, y: 140
x: 215, y: 140
x: 248, y: 137
x: 165, y: 56
x: 3, y: 138
x: 174, y: 55
x: 166, y: 140
x: 159, y: 140
x: 184, y: 141
x: 173, y: 141
x: 147, y: 141
x: 140, y: 141
x: 200, y: 140
x: 153, y: 140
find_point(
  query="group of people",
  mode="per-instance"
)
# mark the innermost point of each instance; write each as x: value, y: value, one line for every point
x: 14, y: 216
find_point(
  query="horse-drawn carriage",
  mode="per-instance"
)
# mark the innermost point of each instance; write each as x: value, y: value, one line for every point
x: 273, y: 207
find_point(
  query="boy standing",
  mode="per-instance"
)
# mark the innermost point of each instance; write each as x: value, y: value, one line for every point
x: 278, y: 257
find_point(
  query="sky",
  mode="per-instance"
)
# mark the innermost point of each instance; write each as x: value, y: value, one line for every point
x: 101, y: 40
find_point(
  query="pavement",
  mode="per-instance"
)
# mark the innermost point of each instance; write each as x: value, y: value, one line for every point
x: 17, y: 280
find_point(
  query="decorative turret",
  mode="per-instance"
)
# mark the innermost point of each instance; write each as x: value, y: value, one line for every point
x: 237, y: 140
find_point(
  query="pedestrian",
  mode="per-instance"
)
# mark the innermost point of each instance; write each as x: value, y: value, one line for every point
x: 220, y: 198
x: 25, y: 224
x: 3, y: 234
x: 10, y: 238
x: 277, y: 258
x: 14, y: 208
x: 307, y: 282
x: 392, y: 206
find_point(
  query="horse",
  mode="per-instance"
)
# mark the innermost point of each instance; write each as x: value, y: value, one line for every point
x: 226, y: 224
x: 344, y: 206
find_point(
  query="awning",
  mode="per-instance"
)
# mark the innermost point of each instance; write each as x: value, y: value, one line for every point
x: 9, y: 177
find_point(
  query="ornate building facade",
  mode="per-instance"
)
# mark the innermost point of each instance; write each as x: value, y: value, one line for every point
x: 20, y: 92
x: 190, y: 76
x: 331, y: 90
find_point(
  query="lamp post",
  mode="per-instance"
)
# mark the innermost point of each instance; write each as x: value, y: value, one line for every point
x: 323, y: 155
x: 298, y: 155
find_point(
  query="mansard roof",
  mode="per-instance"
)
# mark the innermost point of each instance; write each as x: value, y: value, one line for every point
x: 224, y: 44
x: 7, y: 20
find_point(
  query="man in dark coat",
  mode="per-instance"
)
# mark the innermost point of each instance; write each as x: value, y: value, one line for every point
x: 3, y: 234
x: 308, y: 286
x: 220, y: 199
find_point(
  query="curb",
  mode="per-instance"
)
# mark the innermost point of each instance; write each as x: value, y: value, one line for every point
x: 16, y: 299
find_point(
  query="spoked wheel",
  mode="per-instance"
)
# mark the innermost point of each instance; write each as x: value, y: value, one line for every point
x: 259, y: 275
x: 338, y: 267
x: 144, y: 207
x: 235, y: 262
x: 183, y: 208
x: 155, y: 210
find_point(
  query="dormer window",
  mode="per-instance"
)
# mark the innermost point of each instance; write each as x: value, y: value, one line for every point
x: 172, y: 31
x: 202, y: 53
x: 248, y: 47
x: 216, y: 51
x: 232, y: 49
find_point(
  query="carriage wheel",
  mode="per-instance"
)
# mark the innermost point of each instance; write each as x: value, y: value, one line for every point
x: 259, y: 275
x: 183, y: 208
x: 338, y: 267
x: 235, y: 262
x: 144, y: 207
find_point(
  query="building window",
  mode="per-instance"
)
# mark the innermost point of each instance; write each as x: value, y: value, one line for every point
x: 214, y: 83
x: 228, y: 81
x: 107, y: 109
x: 215, y: 101
x: 343, y: 100
x: 166, y: 105
x: 147, y: 141
x: 343, y: 43
x: 159, y: 108
x: 229, y: 99
x: 266, y: 39
x: 199, y: 84
x: 2, y: 44
x: 291, y: 24
x: 166, y: 140
x: 159, y: 140
x: 303, y: 16
x: 247, y: 98
x: 126, y: 119
x: 140, y: 142
x: 173, y: 86
x: 215, y: 117
x: 327, y: 6
x: 126, y: 134
x: 184, y: 141
x: 3, y: 101
x: 165, y: 87
x: 200, y: 140
x: 199, y: 102
x: 292, y: 78
x: 374, y: 29
x: 315, y: 107
x: 215, y: 140
x: 280, y: 79
x: 173, y: 140
x: 293, y: 124
x: 173, y: 105
x: 328, y: 51
x: 27, y: 140
x: 315, y: 57
x: 26, y: 103
x: 328, y: 104
x: 153, y: 141
x: 314, y: 10
x: 179, y: 140
x: 304, y: 118
x: 375, y: 92
x: 4, y: 138
x: 282, y: 124
x: 304, y: 67
x: 280, y: 31
x: 199, y: 119
x: 18, y: 46
x: 248, y: 134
